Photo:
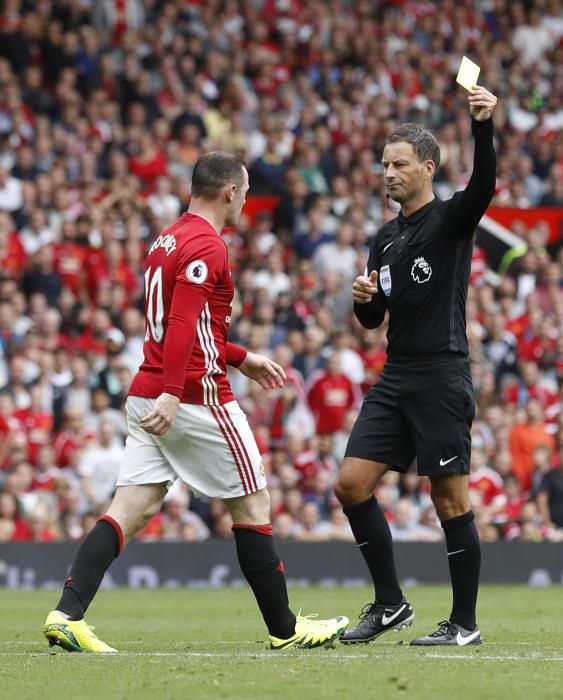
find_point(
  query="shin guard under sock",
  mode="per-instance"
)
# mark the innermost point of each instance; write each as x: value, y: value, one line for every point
x: 464, y: 559
x: 99, y: 548
x: 263, y: 570
x: 373, y: 537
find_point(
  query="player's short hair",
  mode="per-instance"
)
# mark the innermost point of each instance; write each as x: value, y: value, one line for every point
x: 424, y: 143
x: 215, y: 170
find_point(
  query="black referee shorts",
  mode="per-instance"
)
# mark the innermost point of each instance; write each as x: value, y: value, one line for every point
x: 421, y: 409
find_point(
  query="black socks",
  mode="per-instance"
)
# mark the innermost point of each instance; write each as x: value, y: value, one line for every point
x: 263, y: 570
x: 374, y: 540
x: 464, y: 559
x: 99, y: 548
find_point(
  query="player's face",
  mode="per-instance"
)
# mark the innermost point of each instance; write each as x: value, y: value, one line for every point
x: 237, y: 204
x: 405, y: 176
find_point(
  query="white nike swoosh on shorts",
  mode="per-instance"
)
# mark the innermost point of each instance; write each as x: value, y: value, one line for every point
x: 387, y: 246
x: 386, y: 620
x: 443, y: 464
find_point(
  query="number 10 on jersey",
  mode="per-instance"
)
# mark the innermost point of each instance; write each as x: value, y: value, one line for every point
x: 154, y: 304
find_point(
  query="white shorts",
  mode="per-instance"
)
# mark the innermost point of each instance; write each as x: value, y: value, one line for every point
x: 210, y: 448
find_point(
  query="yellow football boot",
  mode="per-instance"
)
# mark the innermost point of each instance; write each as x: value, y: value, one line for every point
x: 73, y: 635
x: 311, y: 633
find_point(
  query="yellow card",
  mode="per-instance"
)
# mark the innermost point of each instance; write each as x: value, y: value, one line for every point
x: 468, y: 73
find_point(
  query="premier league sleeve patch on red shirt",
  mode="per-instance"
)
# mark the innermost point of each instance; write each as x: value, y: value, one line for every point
x: 197, y: 272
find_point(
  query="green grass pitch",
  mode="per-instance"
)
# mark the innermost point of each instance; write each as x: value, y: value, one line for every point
x: 192, y: 644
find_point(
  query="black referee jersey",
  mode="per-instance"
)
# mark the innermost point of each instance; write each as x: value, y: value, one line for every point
x: 423, y: 263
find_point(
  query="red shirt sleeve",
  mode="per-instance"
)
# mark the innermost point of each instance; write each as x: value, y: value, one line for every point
x: 198, y: 269
x: 235, y: 355
x: 180, y: 337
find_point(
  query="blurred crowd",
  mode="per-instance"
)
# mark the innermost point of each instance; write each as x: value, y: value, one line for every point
x: 105, y: 107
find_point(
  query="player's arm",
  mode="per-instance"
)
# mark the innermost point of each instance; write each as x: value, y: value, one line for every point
x: 369, y: 303
x: 468, y: 206
x: 257, y: 367
x: 235, y: 354
x: 188, y: 299
x: 187, y: 305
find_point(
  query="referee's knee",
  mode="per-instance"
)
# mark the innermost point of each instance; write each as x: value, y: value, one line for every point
x: 349, y: 492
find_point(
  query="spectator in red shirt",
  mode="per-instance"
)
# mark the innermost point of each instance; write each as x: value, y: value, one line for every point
x: 529, y: 387
x: 46, y: 473
x: 149, y: 162
x: 538, y: 344
x: 486, y: 489
x: 69, y: 258
x: 12, y: 254
x: 50, y: 337
x: 36, y: 423
x: 514, y: 500
x: 330, y: 395
x: 72, y: 437
x: 42, y: 524
x: 107, y: 268
x: 10, y: 512
x: 318, y: 457
x: 94, y: 338
x: 373, y: 354
x: 7, y: 437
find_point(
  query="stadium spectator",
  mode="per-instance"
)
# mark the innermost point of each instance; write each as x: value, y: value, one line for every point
x: 486, y: 492
x: 525, y: 437
x: 405, y: 526
x: 550, y: 496
x: 15, y: 527
x: 331, y: 394
x: 98, y: 466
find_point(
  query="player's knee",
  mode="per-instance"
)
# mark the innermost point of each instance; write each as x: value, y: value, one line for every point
x: 347, y: 491
x: 448, y: 507
x: 149, y: 511
x: 253, y: 509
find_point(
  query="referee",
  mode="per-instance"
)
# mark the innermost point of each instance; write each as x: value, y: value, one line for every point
x: 423, y: 405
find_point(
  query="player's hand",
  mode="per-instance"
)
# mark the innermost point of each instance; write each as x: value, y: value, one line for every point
x: 482, y: 103
x: 163, y: 414
x: 266, y: 372
x: 364, y: 288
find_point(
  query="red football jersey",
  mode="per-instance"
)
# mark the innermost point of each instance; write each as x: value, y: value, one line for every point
x: 37, y: 427
x: 486, y: 488
x: 330, y: 396
x: 188, y: 297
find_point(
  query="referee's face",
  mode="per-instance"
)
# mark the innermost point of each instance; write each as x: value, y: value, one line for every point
x: 405, y: 176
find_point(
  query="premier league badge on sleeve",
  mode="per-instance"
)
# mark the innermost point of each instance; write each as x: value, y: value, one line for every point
x: 385, y: 279
x: 197, y: 272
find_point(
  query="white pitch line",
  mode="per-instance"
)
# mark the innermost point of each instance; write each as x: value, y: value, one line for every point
x: 273, y: 655
x: 490, y: 657
x: 132, y: 642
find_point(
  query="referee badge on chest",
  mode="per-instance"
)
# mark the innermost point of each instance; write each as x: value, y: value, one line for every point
x: 385, y: 279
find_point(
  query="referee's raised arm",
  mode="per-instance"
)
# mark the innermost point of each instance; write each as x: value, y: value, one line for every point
x: 468, y: 207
